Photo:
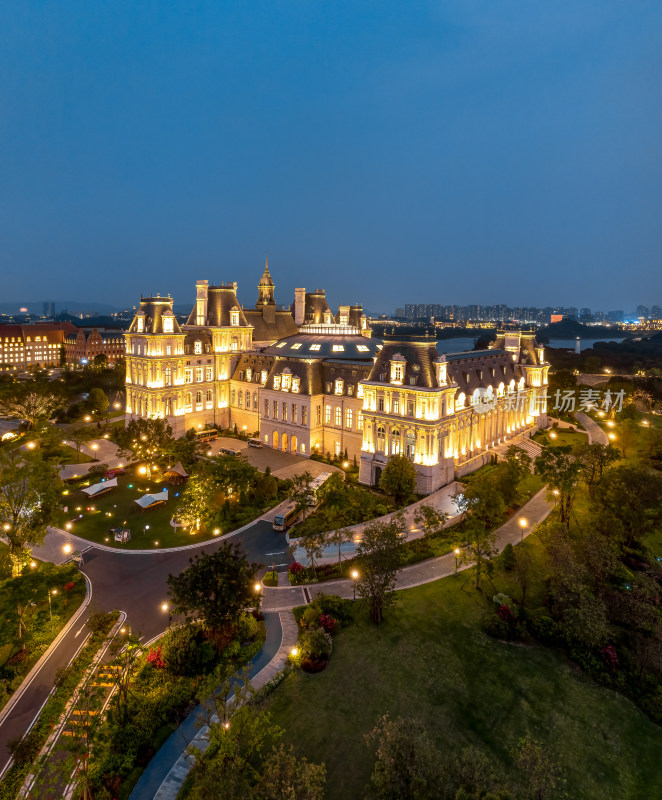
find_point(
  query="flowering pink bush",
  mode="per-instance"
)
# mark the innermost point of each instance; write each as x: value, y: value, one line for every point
x: 328, y: 623
x: 505, y: 613
x: 610, y: 657
x: 155, y: 657
x: 296, y: 568
x: 69, y: 586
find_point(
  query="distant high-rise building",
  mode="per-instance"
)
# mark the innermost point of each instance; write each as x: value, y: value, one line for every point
x: 49, y: 309
x: 615, y: 316
x: 399, y: 312
x: 642, y: 311
x: 656, y: 312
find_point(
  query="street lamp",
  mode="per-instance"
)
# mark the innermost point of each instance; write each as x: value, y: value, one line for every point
x: 165, y: 607
x: 294, y: 652
x: 145, y: 529
x: 355, y: 577
x: 457, y: 555
x: 50, y: 607
x: 522, y: 523
x: 67, y: 548
x: 257, y: 588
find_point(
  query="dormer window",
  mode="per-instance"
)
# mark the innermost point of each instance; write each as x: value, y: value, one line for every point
x: 339, y: 386
x: 249, y: 374
x: 234, y: 318
x: 296, y: 382
x: 287, y: 381
x: 168, y: 324
x: 140, y: 324
x: 328, y: 319
x: 263, y: 376
x: 276, y: 381
x: 398, y: 364
x: 197, y: 348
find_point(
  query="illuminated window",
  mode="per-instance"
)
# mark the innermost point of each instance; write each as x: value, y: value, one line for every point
x: 296, y: 382
x: 198, y: 400
x: 327, y: 414
x: 209, y: 398
x: 197, y: 347
x: 395, y: 442
x: 381, y: 439
x: 208, y: 374
x: 263, y: 376
x: 304, y: 415
x: 362, y: 348
x: 276, y: 381
x: 168, y: 324
x: 338, y: 449
x: 339, y: 386
x: 338, y: 416
x: 410, y: 444
x: 249, y: 374
x: 248, y: 400
x: 359, y: 420
x: 302, y: 448
x: 189, y: 376
x: 266, y: 409
x: 338, y: 348
x: 315, y: 347
x: 396, y: 405
x: 140, y: 323
x: 296, y: 346
x: 187, y: 401
x: 234, y: 318
x: 281, y: 344
x: 348, y: 418
x: 295, y: 413
x: 284, y: 412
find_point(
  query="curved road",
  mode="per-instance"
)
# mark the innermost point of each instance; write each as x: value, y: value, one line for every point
x: 136, y: 584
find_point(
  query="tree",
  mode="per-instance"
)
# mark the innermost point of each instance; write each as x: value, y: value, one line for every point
x: 510, y: 472
x: 33, y: 407
x: 398, y: 479
x: 196, y: 509
x: 334, y: 494
x: 97, y: 401
x: 628, y: 502
x: 100, y: 360
x: 302, y: 494
x: 144, y: 440
x: 626, y: 435
x: 314, y: 544
x: 429, y: 519
x: 542, y: 773
x: 593, y: 459
x: 78, y: 437
x: 407, y: 764
x: 216, y: 587
x: 338, y: 537
x: 560, y: 470
x: 288, y: 777
x: 29, y: 502
x: 379, y: 556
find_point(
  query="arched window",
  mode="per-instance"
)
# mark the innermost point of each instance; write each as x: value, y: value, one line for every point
x: 208, y: 398
x: 461, y: 400
x: 395, y: 442
x: 338, y: 416
x: 410, y: 444
x: 187, y: 401
x: 198, y: 400
x: 381, y: 439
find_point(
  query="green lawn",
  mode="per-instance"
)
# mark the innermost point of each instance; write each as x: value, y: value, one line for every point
x: 431, y: 660
x: 560, y: 437
x: 120, y: 504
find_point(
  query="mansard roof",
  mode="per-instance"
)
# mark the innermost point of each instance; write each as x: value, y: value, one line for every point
x: 478, y: 369
x: 337, y: 345
x: 221, y: 300
x: 315, y: 307
x: 419, y: 354
x: 266, y: 330
x: 152, y: 310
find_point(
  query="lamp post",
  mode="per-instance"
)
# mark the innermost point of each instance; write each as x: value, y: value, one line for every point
x: 258, y: 594
x: 355, y: 577
x: 145, y: 529
x: 457, y: 555
x: 522, y: 523
x: 165, y: 607
x: 50, y: 607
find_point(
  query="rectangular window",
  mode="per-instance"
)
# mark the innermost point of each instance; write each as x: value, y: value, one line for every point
x: 275, y: 409
x: 348, y: 418
x: 266, y: 409
x: 168, y: 350
x: 197, y: 347
x: 315, y: 347
x: 410, y: 408
x: 304, y: 415
x: 338, y: 348
x: 295, y: 413
x: 338, y: 450
x: 208, y: 374
x: 240, y: 399
x: 233, y: 397
x: 338, y: 416
x: 198, y: 374
x: 319, y: 415
x: 359, y: 420
x: 284, y: 410
x: 189, y: 375
x: 327, y: 414
x: 380, y: 404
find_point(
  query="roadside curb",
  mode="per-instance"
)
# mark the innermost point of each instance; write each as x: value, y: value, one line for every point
x: 13, y: 700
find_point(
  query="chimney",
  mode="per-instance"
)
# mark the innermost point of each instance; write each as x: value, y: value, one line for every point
x: 202, y: 289
x: 299, y: 306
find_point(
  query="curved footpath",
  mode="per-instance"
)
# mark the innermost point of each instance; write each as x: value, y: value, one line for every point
x: 595, y: 432
x: 167, y: 771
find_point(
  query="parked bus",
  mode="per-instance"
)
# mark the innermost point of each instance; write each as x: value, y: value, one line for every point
x: 228, y: 451
x: 287, y: 518
x: 315, y: 485
x: 208, y: 435
x: 254, y: 443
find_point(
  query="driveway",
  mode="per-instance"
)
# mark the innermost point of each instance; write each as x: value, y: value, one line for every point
x: 595, y: 432
x: 283, y: 465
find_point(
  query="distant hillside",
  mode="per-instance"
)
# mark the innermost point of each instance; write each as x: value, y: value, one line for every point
x: 571, y: 329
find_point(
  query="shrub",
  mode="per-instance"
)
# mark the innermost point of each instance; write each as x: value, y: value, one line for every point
x: 311, y: 617
x: 186, y: 652
x: 544, y: 628
x: 328, y: 623
x: 247, y: 629
x: 334, y: 606
x: 610, y: 657
x: 316, y: 645
x: 69, y: 586
x: 508, y: 558
x: 155, y: 657
x: 494, y: 625
x: 296, y: 568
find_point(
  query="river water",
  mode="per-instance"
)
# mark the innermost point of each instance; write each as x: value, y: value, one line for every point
x: 467, y: 343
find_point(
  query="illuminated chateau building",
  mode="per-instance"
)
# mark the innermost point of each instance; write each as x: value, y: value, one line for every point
x: 306, y: 380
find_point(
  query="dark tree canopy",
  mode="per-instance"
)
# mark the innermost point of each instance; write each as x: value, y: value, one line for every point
x: 398, y: 479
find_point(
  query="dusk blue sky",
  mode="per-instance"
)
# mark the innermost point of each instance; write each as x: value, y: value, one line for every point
x: 391, y: 152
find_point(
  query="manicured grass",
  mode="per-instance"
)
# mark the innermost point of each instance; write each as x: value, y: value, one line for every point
x: 560, y: 437
x: 120, y: 504
x: 70, y: 456
x: 431, y: 660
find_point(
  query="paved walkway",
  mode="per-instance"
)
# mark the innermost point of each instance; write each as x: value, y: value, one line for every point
x: 511, y: 532
x: 595, y: 432
x: 166, y: 772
